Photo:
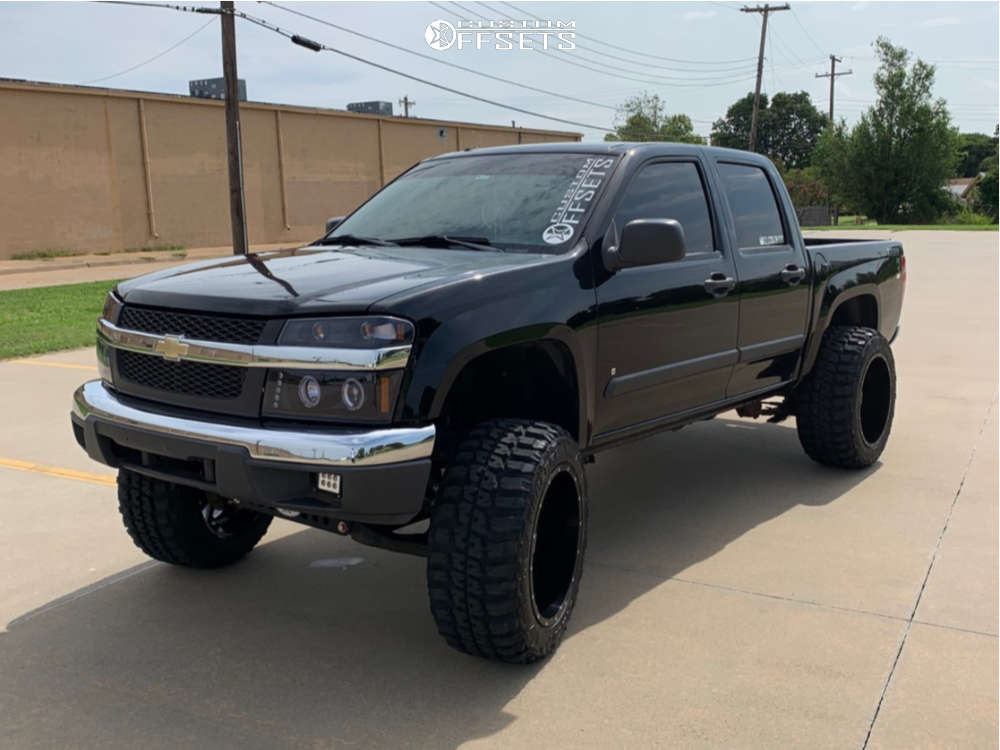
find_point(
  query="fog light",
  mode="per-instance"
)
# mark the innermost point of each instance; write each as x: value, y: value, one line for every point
x: 309, y: 391
x: 328, y: 482
x: 353, y: 394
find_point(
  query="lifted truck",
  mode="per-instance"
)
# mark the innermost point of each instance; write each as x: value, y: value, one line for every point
x: 457, y: 349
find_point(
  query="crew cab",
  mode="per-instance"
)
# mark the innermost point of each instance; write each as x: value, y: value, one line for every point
x: 433, y: 374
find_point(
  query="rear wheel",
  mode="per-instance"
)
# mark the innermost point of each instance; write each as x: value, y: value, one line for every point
x: 507, y: 539
x: 844, y: 408
x: 185, y: 526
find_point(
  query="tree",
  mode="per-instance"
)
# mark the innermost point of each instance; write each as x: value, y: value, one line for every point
x: 986, y: 197
x: 733, y: 130
x: 788, y: 127
x: 973, y: 149
x: 806, y: 187
x: 645, y: 119
x: 893, y: 164
x: 795, y: 125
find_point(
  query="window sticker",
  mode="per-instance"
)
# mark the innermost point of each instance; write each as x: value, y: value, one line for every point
x: 771, y: 239
x: 576, y: 200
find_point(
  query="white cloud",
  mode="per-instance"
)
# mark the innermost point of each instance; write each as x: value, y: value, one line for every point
x: 698, y: 15
x: 941, y: 21
x: 859, y: 6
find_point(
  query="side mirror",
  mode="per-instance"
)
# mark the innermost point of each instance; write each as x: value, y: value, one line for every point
x: 646, y: 242
x: 332, y: 223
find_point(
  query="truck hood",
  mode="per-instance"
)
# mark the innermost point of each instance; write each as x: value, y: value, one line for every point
x: 314, y: 279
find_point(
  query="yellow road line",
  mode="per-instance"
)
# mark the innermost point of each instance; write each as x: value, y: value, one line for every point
x: 57, y: 471
x: 64, y: 365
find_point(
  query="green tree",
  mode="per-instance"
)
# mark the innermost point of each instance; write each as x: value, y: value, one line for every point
x: 644, y: 118
x: 893, y: 164
x: 733, y: 130
x: 987, y: 191
x: 973, y: 149
x: 788, y: 127
x: 794, y: 125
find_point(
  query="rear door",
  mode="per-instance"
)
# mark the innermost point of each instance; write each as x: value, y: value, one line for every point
x: 666, y: 340
x: 775, y: 278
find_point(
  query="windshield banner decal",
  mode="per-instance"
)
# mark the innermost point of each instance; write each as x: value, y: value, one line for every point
x: 576, y: 200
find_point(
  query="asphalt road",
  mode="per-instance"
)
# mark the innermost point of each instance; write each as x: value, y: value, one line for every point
x: 735, y: 594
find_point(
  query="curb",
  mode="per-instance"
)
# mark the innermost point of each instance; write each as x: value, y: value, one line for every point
x: 93, y: 264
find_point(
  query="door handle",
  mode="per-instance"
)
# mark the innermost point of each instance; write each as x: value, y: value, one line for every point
x: 792, y: 274
x: 719, y: 285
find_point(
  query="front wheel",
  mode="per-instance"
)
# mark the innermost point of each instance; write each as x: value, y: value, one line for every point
x: 507, y: 538
x: 844, y: 407
x: 184, y: 526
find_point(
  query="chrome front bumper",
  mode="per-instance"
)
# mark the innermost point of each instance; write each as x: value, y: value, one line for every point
x: 338, y: 448
x: 383, y: 472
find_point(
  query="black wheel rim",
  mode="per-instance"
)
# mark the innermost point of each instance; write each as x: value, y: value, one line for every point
x: 876, y: 400
x: 555, y: 547
x: 222, y: 521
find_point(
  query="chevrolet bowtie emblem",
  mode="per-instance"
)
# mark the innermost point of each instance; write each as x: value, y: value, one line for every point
x: 172, y: 348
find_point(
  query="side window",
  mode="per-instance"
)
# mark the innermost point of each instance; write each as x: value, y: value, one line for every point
x: 755, y: 210
x: 670, y: 190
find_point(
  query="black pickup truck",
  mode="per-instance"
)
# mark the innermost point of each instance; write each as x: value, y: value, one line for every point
x: 450, y: 356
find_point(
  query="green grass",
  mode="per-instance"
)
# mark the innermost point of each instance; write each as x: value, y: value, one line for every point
x: 49, y: 318
x: 974, y: 223
x: 48, y: 253
x: 907, y: 227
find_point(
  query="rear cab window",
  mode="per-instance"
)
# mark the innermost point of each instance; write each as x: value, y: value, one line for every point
x: 754, y: 206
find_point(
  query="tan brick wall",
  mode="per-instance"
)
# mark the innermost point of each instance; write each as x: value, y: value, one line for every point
x: 73, y: 172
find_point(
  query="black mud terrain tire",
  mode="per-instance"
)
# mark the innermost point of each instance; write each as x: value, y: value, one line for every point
x: 507, y: 538
x: 844, y: 407
x: 179, y: 525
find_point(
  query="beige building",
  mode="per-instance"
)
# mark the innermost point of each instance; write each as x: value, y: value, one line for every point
x: 105, y: 169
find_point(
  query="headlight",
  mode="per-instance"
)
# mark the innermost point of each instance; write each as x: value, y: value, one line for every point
x: 112, y: 308
x: 347, y: 333
x: 326, y: 395
x: 362, y: 396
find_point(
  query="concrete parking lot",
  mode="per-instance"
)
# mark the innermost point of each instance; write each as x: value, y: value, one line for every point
x: 735, y: 594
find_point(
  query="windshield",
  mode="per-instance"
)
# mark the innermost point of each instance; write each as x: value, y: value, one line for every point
x: 515, y: 202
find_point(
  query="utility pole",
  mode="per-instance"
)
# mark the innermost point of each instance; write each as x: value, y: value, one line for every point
x: 406, y: 103
x: 832, y: 75
x: 764, y: 10
x: 234, y: 142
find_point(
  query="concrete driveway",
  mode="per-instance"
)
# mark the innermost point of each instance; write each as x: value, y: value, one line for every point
x: 735, y: 594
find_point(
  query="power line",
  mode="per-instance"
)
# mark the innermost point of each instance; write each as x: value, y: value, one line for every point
x: 660, y: 79
x: 774, y: 87
x: 315, y: 46
x: 618, y: 76
x: 806, y: 32
x: 436, y: 59
x: 636, y: 52
x: 151, y: 59
x: 616, y: 57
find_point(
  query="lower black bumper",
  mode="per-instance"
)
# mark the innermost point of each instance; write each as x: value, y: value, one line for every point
x: 270, y: 469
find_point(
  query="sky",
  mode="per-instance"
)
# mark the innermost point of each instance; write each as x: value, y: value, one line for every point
x: 699, y: 57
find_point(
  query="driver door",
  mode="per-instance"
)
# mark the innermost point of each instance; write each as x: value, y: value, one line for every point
x: 666, y: 332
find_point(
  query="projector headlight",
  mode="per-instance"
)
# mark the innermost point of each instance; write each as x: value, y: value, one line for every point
x: 354, y: 396
x: 329, y: 395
